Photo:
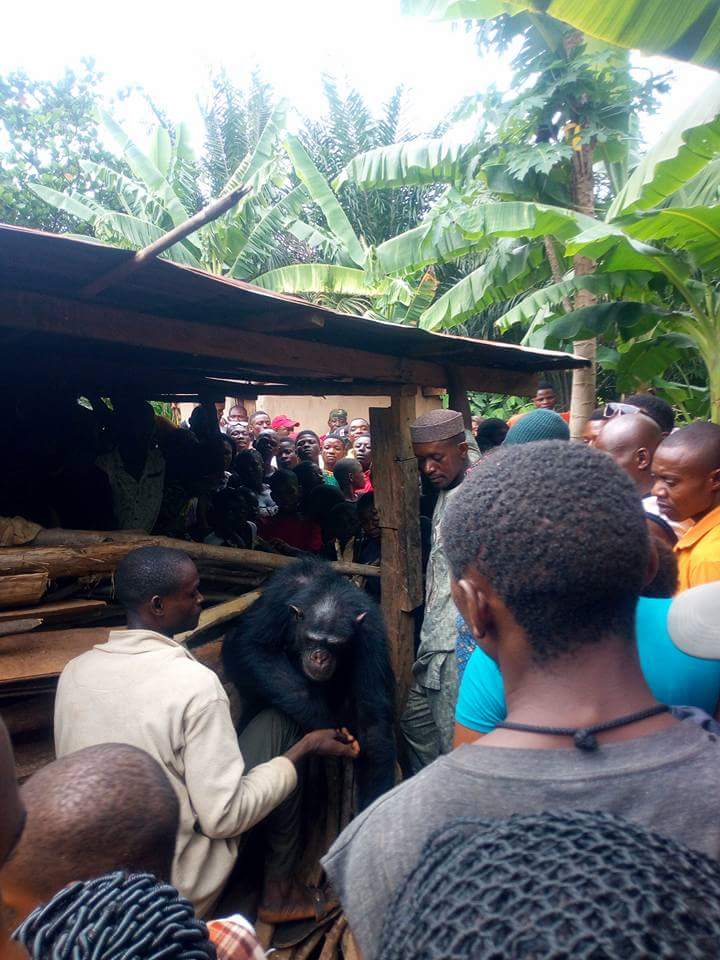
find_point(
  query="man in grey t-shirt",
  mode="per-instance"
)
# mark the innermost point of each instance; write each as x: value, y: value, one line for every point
x: 549, y: 550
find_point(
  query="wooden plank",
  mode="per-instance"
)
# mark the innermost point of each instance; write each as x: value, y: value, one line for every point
x: 44, y: 653
x: 53, y: 611
x: 518, y: 383
x: 397, y: 501
x: 73, y: 318
x: 219, y: 614
x: 23, y: 588
x: 69, y: 560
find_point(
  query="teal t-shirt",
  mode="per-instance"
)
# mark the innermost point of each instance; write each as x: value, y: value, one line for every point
x: 674, y: 677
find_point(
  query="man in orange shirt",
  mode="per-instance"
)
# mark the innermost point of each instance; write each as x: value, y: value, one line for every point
x: 686, y: 472
x: 544, y: 399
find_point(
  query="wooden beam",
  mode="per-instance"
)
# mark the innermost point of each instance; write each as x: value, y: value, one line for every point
x: 326, y: 388
x: 54, y: 611
x: 519, y: 383
x: 219, y: 614
x: 261, y: 352
x: 76, y: 561
x: 285, y: 324
x: 397, y: 501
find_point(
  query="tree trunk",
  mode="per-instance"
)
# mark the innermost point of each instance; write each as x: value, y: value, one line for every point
x: 584, y: 380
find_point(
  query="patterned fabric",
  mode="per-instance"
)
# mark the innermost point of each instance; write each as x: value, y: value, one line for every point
x: 464, y: 646
x: 235, y: 939
x: 136, y: 503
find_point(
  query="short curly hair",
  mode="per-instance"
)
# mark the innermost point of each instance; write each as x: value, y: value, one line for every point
x: 580, y: 884
x: 656, y: 408
x: 559, y: 531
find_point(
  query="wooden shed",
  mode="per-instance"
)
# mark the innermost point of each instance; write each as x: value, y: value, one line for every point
x: 171, y: 332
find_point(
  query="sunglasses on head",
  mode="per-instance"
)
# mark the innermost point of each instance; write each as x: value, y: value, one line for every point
x: 619, y: 409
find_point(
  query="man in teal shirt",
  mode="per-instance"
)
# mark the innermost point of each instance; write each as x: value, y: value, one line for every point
x: 674, y: 677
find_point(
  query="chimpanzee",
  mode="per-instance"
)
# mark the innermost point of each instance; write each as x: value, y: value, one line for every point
x: 314, y: 647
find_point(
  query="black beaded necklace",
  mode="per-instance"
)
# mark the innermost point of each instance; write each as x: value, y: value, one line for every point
x: 584, y: 737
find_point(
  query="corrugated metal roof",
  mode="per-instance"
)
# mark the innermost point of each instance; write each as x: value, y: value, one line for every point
x: 31, y: 260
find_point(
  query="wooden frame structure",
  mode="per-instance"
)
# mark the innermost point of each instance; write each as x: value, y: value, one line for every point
x: 172, y: 332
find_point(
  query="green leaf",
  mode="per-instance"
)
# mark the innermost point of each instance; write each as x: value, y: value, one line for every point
x: 262, y: 239
x: 161, y: 150
x: 504, y: 275
x: 69, y: 202
x: 518, y: 219
x: 265, y: 149
x: 145, y: 170
x: 694, y: 229
x: 630, y: 318
x: 677, y: 157
x: 423, y: 246
x: 688, y: 31
x: 136, y: 234
x: 551, y: 297
x: 318, y: 278
x: 321, y: 193
x: 411, y: 163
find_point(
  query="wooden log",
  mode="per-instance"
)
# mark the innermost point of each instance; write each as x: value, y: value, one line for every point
x: 53, y: 611
x: 75, y: 561
x: 214, y: 616
x: 397, y: 501
x: 19, y: 626
x: 23, y: 588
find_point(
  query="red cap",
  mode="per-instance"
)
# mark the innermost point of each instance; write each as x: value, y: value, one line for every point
x: 284, y: 422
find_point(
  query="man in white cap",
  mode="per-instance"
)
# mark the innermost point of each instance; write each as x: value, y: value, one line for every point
x: 442, y: 448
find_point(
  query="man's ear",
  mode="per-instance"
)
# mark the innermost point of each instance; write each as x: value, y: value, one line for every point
x: 156, y: 605
x: 472, y: 604
x: 297, y: 611
x: 715, y: 479
x: 463, y: 448
x: 644, y: 458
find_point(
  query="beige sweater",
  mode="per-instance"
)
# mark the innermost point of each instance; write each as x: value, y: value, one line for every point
x: 147, y: 690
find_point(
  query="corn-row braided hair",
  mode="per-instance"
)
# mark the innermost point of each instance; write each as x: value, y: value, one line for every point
x: 116, y: 917
x: 576, y: 885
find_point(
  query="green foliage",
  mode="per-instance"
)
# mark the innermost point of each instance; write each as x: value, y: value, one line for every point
x: 50, y: 128
x: 690, y: 31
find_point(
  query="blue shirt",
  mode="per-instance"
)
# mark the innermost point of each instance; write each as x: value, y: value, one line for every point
x: 674, y: 677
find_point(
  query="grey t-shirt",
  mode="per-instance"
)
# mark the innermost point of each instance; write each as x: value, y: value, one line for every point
x: 669, y: 782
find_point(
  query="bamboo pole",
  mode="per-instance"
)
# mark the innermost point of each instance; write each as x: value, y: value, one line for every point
x: 70, y: 560
x: 211, y: 212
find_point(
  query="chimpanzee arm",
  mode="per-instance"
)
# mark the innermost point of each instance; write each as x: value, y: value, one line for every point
x: 374, y: 689
x: 376, y: 763
x: 270, y: 676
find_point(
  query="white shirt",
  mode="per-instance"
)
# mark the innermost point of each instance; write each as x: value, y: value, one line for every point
x: 145, y: 689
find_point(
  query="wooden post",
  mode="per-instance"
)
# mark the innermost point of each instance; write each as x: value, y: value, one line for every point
x: 397, y: 492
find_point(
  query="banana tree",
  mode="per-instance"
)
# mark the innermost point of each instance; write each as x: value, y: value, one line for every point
x: 689, y: 31
x: 165, y: 189
x: 664, y: 262
x: 351, y: 277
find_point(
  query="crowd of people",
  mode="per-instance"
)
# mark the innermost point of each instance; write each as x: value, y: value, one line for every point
x: 561, y: 728
x: 222, y: 477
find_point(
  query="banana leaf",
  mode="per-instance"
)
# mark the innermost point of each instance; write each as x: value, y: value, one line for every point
x: 695, y: 230
x: 676, y: 158
x: 135, y: 233
x: 318, y: 278
x: 143, y: 168
x: 687, y: 31
x: 411, y: 163
x: 321, y: 193
x: 517, y: 219
x: 551, y: 297
x: 504, y: 275
x: 262, y: 239
x: 631, y: 318
x: 264, y: 151
x: 71, y: 202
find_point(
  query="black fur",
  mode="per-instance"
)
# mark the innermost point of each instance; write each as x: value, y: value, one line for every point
x: 261, y: 656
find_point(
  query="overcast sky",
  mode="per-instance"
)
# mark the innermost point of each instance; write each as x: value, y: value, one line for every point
x: 170, y: 49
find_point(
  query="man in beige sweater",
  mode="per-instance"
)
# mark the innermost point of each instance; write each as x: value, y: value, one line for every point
x: 143, y: 688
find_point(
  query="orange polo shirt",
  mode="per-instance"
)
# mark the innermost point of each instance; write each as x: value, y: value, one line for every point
x: 698, y: 552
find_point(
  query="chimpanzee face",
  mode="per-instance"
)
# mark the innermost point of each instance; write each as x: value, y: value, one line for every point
x: 322, y: 636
